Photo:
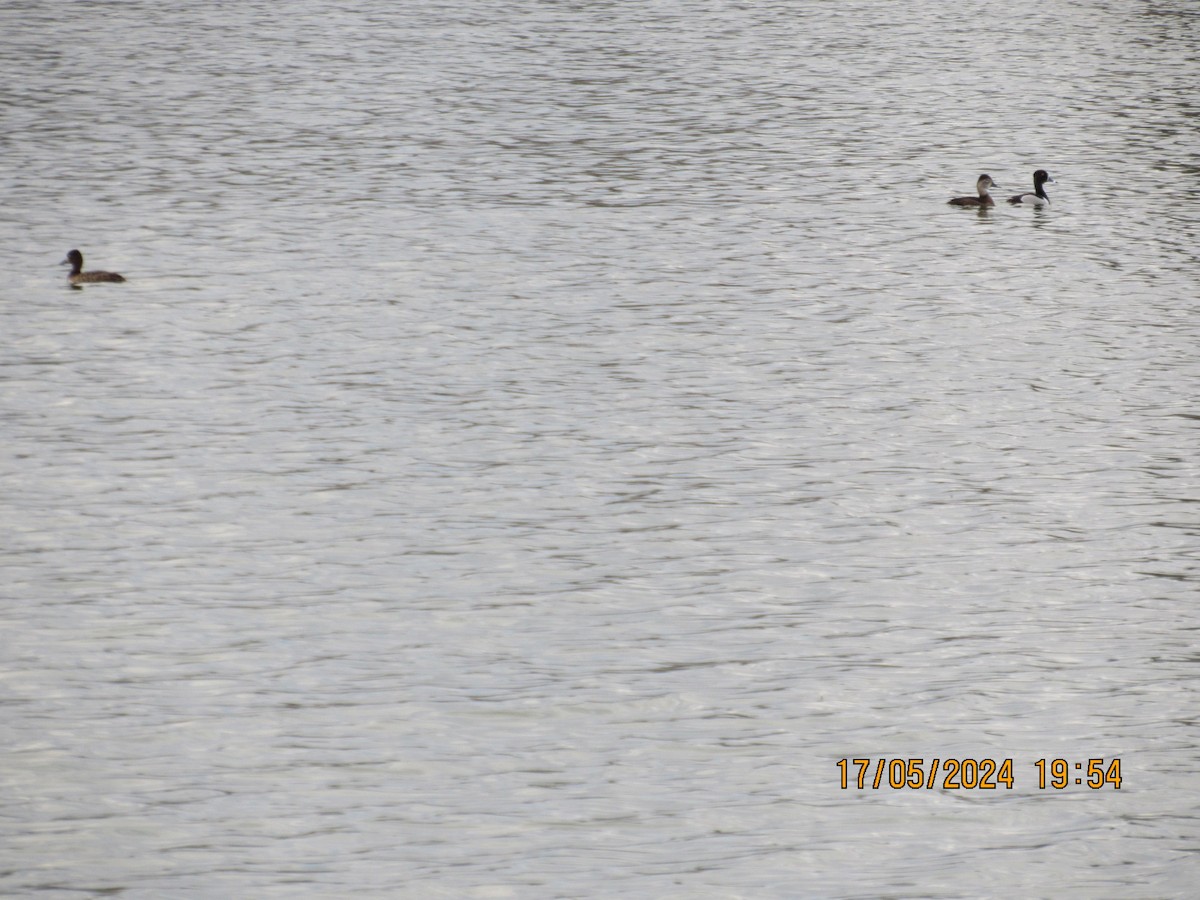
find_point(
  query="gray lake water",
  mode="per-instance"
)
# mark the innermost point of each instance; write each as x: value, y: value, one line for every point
x: 537, y: 441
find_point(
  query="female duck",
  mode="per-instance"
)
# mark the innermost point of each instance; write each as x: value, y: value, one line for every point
x: 78, y: 276
x: 984, y: 198
x: 1039, y: 196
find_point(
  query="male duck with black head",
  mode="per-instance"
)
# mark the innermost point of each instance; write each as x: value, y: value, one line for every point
x: 984, y: 199
x: 77, y: 276
x: 1039, y: 197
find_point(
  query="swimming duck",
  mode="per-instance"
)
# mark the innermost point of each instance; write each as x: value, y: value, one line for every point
x: 78, y: 276
x: 1039, y: 196
x: 984, y: 198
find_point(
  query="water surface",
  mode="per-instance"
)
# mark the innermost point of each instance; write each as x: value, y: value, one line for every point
x: 535, y: 443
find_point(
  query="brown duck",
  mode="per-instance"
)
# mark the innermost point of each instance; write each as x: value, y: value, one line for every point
x: 78, y: 276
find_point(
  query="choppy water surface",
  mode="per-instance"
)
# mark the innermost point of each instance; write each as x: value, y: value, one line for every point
x: 538, y: 440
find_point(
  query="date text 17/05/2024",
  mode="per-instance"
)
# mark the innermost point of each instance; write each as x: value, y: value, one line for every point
x: 975, y: 774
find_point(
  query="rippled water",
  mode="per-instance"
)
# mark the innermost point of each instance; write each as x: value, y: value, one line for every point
x: 537, y: 441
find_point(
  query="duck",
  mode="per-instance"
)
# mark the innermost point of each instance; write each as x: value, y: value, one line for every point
x: 78, y: 276
x: 984, y: 198
x: 1039, y: 196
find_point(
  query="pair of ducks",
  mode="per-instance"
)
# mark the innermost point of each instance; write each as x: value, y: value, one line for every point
x: 1037, y: 198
